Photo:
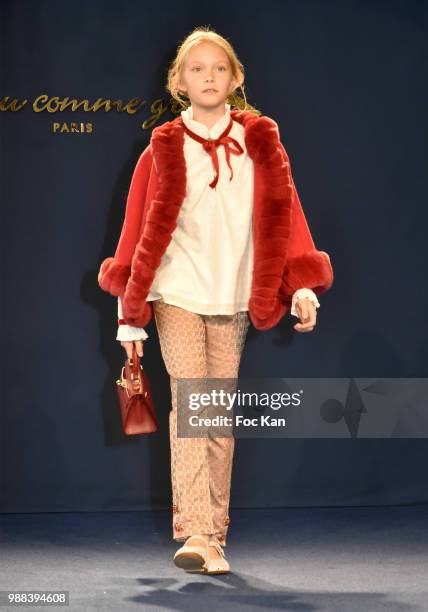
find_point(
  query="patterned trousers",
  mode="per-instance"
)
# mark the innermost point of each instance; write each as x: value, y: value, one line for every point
x: 199, y: 346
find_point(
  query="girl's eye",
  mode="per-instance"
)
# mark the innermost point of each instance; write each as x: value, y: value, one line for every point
x: 198, y: 68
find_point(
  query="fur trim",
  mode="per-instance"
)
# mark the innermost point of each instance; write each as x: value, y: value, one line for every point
x: 312, y: 270
x: 167, y: 144
x: 272, y: 222
x: 113, y: 276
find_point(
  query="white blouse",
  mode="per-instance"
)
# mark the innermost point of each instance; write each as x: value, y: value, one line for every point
x: 207, y: 266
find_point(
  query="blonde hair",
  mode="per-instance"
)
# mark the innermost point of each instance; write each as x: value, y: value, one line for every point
x: 197, y: 36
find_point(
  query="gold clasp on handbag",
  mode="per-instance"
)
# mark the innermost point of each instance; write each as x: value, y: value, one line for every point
x: 122, y: 383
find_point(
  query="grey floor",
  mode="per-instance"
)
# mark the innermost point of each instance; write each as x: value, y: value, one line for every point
x: 366, y: 559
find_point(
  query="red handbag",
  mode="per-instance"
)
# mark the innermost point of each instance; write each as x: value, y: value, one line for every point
x: 135, y: 398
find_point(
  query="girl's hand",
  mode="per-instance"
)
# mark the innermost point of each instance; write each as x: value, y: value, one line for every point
x: 129, y: 345
x: 307, y: 314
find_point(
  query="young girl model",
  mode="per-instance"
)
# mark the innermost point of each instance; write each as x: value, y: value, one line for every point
x: 214, y: 237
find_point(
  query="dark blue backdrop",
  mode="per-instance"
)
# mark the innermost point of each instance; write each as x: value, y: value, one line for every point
x: 345, y: 82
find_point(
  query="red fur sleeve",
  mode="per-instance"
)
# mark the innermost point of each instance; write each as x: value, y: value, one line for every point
x: 305, y: 265
x: 115, y: 271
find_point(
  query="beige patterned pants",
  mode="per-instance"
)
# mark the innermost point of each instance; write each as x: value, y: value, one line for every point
x: 199, y: 346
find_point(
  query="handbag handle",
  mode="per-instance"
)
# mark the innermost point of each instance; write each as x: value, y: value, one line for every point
x: 134, y: 364
x: 133, y: 361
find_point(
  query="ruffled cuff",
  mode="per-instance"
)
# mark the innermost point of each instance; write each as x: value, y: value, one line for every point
x: 128, y: 333
x: 302, y: 293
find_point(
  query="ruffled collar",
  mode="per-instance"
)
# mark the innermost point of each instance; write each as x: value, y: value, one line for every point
x: 199, y: 128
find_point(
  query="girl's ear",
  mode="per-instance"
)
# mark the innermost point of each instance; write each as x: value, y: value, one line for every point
x: 180, y: 88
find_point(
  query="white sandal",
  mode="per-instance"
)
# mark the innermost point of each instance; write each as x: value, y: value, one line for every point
x: 217, y: 566
x: 214, y: 566
x: 193, y: 554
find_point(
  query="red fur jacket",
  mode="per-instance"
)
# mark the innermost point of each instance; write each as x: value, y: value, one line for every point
x: 285, y: 257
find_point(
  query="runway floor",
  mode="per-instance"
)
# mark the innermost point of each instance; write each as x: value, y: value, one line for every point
x: 331, y: 559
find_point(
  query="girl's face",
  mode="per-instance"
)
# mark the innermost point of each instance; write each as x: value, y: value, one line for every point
x: 207, y: 66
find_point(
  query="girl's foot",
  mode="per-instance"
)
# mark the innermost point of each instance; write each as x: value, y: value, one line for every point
x: 216, y: 562
x: 193, y: 555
